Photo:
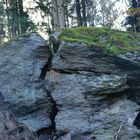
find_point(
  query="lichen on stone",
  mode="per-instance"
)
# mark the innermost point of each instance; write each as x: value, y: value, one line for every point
x: 109, y: 40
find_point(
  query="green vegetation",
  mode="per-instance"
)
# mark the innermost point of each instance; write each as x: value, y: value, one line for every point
x: 109, y: 40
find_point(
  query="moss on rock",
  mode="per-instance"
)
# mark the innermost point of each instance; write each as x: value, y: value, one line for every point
x: 112, y: 41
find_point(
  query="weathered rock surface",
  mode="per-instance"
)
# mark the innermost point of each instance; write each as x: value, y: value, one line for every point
x: 92, y: 91
x: 20, y: 67
x: 79, y: 93
x: 76, y: 57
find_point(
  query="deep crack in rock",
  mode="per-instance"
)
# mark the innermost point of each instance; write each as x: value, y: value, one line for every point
x: 47, y: 67
x: 49, y: 131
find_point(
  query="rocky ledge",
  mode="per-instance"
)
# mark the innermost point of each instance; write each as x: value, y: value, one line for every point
x: 70, y: 90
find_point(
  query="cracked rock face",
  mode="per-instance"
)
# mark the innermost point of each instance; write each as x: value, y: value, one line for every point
x: 20, y: 66
x: 79, y: 93
x: 76, y: 57
x: 91, y: 92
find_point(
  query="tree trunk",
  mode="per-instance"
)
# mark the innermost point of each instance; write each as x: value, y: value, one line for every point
x: 21, y: 16
x: 78, y: 12
x: 58, y: 14
x: 84, y: 12
x: 61, y: 14
x: 55, y: 14
x: 67, y: 16
x: 12, y: 13
x: 138, y: 18
x: 17, y: 25
x: 8, y: 18
x: 12, y: 17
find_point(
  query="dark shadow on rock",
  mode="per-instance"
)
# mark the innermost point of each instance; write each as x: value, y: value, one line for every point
x: 137, y: 121
x: 47, y: 67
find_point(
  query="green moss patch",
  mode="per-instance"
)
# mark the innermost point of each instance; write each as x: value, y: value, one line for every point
x: 109, y: 40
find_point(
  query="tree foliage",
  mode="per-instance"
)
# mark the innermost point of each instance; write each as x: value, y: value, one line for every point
x: 134, y: 16
x: 54, y: 14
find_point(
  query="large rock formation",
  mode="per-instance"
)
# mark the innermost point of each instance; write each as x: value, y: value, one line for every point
x: 20, y: 87
x: 79, y: 92
x: 91, y: 90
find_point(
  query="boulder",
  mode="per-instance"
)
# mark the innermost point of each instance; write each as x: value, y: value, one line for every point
x: 90, y: 89
x: 21, y: 64
x: 74, y: 92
